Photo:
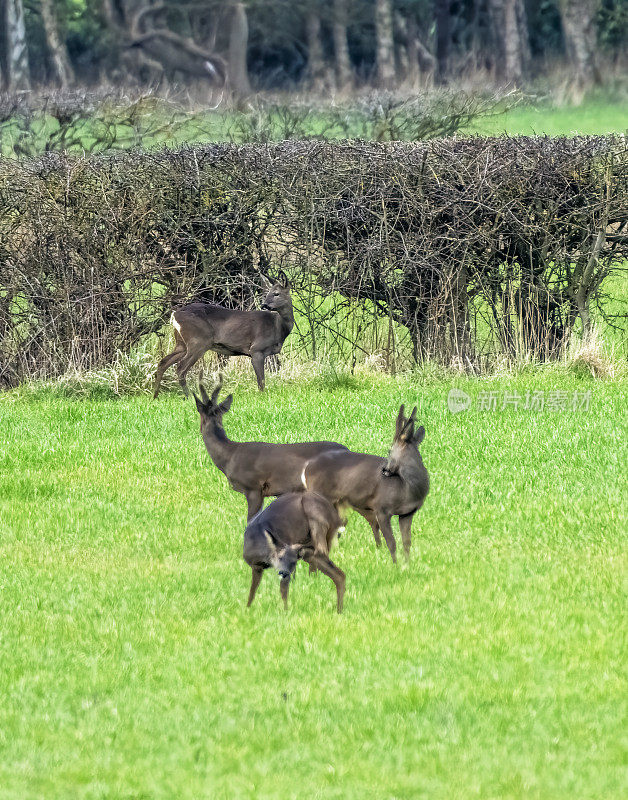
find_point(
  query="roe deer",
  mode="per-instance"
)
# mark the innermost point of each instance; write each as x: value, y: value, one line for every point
x: 256, y: 469
x: 200, y: 327
x: 376, y: 487
x: 293, y: 526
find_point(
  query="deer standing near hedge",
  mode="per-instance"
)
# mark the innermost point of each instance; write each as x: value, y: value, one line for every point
x: 378, y: 488
x: 293, y: 527
x: 200, y: 327
x: 256, y: 469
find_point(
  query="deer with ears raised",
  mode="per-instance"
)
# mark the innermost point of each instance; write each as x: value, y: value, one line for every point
x: 200, y: 327
x: 378, y: 488
x: 293, y: 527
x: 256, y: 469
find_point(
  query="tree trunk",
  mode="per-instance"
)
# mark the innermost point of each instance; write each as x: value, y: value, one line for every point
x: 238, y: 43
x: 443, y: 36
x: 513, y: 63
x: 56, y: 46
x: 524, y: 38
x: 578, y: 20
x: 385, y: 44
x: 16, y: 63
x: 511, y: 44
x: 413, y: 77
x: 344, y: 79
x: 315, y: 58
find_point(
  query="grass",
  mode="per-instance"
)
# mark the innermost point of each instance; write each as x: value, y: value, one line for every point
x: 492, y: 667
x: 597, y: 114
x: 594, y: 116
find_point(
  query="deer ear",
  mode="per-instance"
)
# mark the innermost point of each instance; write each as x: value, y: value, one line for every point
x: 419, y: 435
x: 271, y: 544
x: 413, y: 415
x: 226, y: 403
x: 408, y: 432
x: 200, y: 405
x: 283, y: 279
x: 203, y: 393
x: 401, y: 421
x: 266, y: 281
x: 215, y: 393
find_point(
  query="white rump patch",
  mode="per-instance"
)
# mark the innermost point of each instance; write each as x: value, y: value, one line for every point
x: 174, y: 323
x: 303, y: 477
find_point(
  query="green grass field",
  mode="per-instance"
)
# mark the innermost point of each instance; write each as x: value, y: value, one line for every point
x: 595, y: 115
x: 493, y: 666
x: 592, y: 117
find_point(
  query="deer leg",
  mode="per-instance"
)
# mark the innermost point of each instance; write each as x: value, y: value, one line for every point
x: 258, y: 366
x: 327, y: 567
x: 284, y: 586
x: 321, y: 540
x: 256, y: 578
x: 389, y: 537
x: 254, y: 501
x: 191, y: 357
x: 319, y: 532
x: 405, y: 524
x: 176, y: 355
x: 370, y: 517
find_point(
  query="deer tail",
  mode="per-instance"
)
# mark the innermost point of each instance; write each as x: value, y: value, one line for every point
x: 174, y: 323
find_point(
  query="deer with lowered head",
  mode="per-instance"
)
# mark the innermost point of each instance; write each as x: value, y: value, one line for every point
x: 378, y: 488
x: 293, y: 527
x: 256, y: 469
x: 200, y: 327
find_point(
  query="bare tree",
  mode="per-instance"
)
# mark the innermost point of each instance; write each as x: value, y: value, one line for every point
x: 344, y: 77
x: 511, y: 40
x: 443, y: 36
x: 238, y: 41
x: 385, y: 44
x: 56, y: 45
x: 17, y: 74
x: 316, y: 67
x: 578, y: 20
x: 414, y: 57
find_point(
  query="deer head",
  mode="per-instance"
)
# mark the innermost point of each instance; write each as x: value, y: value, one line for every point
x: 405, y: 444
x: 284, y: 557
x: 278, y: 296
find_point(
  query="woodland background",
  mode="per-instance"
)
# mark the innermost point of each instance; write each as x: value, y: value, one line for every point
x: 317, y: 45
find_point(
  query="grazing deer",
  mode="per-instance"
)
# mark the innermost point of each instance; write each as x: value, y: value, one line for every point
x: 378, y: 488
x: 255, y: 469
x: 200, y: 327
x: 293, y: 527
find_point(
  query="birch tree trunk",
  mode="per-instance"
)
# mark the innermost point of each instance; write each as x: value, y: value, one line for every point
x: 238, y: 44
x: 56, y: 46
x: 510, y: 35
x: 16, y: 63
x: 578, y: 20
x: 443, y: 35
x: 513, y: 62
x: 316, y: 61
x: 413, y: 76
x: 344, y: 78
x: 385, y: 44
